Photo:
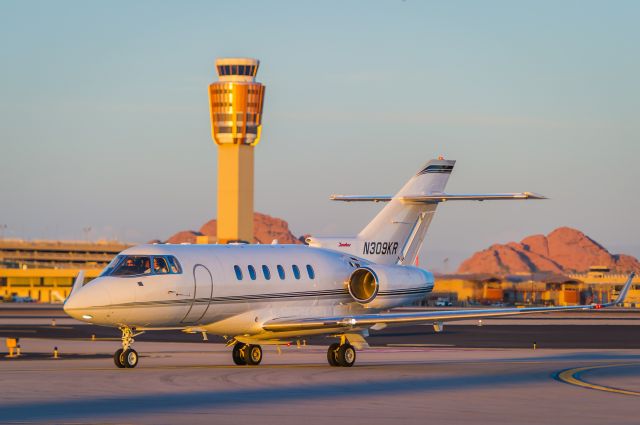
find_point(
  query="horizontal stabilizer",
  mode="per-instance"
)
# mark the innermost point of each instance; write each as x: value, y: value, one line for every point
x: 439, y: 197
x: 361, y: 198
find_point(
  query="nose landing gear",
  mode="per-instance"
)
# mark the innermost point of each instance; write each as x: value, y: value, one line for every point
x: 126, y: 357
x: 246, y: 354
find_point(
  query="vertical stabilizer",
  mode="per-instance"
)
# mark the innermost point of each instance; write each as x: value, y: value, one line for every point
x: 405, y: 224
x: 396, y: 234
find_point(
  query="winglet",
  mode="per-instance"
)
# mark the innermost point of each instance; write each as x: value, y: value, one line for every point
x: 77, y: 284
x: 625, y: 289
x: 623, y: 292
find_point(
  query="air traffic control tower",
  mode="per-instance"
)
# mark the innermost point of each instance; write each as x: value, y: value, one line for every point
x: 236, y: 101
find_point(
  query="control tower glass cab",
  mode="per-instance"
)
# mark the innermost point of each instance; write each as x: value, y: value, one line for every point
x: 235, y: 102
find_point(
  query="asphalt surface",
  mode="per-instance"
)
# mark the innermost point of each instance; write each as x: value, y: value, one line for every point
x: 193, y: 383
x: 586, y: 372
x: 588, y: 330
x: 464, y: 336
x: 598, y: 333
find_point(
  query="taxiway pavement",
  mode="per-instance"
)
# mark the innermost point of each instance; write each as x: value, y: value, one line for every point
x: 196, y: 383
x: 585, y: 372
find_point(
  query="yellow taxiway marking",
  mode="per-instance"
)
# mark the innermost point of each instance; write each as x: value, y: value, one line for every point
x: 569, y: 376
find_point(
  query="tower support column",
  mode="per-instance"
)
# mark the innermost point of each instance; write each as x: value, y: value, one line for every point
x: 235, y: 193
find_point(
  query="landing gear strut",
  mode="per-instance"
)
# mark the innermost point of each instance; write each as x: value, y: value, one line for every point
x: 342, y: 354
x: 126, y: 357
x: 246, y: 354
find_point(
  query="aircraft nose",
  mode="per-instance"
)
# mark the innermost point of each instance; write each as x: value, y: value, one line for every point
x: 80, y: 304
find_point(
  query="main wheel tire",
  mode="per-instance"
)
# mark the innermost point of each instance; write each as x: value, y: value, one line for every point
x: 117, y: 358
x: 346, y: 355
x: 332, y: 352
x: 237, y: 354
x: 253, y: 355
x: 130, y: 358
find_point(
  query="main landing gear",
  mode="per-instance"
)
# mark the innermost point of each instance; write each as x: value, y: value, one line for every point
x: 246, y: 354
x: 341, y: 354
x: 126, y: 357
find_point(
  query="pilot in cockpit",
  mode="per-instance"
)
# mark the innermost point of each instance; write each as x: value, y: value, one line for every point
x: 146, y: 265
x: 160, y: 266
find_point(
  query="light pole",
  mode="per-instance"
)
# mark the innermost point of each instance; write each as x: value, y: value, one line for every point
x: 86, y: 231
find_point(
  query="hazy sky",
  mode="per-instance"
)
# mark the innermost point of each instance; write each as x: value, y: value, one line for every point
x: 105, y: 122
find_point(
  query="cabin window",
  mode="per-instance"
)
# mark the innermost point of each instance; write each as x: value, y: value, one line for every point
x: 238, y: 271
x: 310, y: 272
x: 296, y: 271
x: 266, y: 272
x: 133, y: 265
x: 281, y: 272
x: 160, y: 265
x: 252, y: 272
x: 174, y: 265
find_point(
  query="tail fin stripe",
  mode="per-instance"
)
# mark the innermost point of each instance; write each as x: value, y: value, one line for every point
x: 436, y: 169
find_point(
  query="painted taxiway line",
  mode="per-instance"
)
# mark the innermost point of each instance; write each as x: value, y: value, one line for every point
x: 572, y: 377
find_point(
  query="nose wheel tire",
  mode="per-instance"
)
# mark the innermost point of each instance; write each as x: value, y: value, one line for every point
x: 117, y: 358
x: 237, y: 354
x: 332, y: 354
x: 129, y: 358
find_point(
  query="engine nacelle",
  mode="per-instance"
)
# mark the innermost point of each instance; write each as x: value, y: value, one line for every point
x: 382, y: 286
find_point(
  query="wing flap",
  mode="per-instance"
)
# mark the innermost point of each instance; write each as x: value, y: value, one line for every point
x: 427, y: 317
x: 389, y: 319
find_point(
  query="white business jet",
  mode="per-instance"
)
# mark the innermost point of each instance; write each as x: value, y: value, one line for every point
x: 276, y: 294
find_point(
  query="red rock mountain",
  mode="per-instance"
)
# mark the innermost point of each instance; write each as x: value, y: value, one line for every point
x: 561, y: 251
x: 185, y: 236
x: 265, y: 230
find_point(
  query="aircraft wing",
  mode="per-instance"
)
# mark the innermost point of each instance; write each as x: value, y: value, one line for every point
x: 368, y: 320
x: 432, y: 198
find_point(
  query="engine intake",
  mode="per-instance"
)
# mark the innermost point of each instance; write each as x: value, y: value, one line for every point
x: 385, y: 286
x: 363, y: 285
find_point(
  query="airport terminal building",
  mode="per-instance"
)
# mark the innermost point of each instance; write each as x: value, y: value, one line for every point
x: 44, y: 271
x: 599, y: 285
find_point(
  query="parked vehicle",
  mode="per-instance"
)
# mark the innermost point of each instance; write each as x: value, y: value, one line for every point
x: 17, y: 299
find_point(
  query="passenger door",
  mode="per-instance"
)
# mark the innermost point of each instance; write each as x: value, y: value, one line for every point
x: 202, y: 294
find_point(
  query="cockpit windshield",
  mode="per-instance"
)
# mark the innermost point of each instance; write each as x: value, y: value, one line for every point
x: 112, y: 265
x: 137, y: 265
x: 133, y: 265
